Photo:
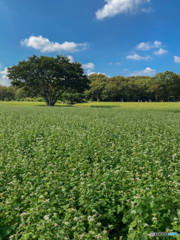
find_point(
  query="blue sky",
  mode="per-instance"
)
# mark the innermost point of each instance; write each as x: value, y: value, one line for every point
x: 115, y: 37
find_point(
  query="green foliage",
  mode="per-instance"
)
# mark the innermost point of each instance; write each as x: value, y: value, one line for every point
x: 88, y: 173
x: 97, y: 85
x: 170, y: 85
x: 73, y: 97
x: 21, y: 94
x: 48, y: 77
x: 7, y: 93
x: 163, y: 87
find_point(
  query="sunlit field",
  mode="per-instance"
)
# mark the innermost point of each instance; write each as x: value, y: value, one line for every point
x: 134, y: 105
x: 89, y: 171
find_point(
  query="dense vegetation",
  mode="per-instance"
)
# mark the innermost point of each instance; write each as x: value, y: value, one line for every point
x: 99, y: 172
x: 161, y: 87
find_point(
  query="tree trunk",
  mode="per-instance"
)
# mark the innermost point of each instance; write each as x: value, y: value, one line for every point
x: 50, y: 104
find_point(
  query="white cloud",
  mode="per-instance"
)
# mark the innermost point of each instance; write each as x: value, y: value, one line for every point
x: 4, y: 80
x: 90, y: 73
x: 44, y: 45
x: 145, y: 46
x: 137, y: 57
x: 114, y: 7
x: 156, y: 44
x: 160, y: 51
x: 70, y: 58
x: 88, y: 66
x: 146, y: 72
x: 177, y: 59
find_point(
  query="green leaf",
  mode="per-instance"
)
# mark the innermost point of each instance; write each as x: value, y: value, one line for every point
x: 119, y: 209
x: 132, y: 236
x: 144, y: 236
x: 133, y: 224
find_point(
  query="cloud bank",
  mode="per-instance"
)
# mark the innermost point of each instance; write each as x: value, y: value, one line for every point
x: 146, y: 72
x: 44, y: 45
x: 114, y: 7
x: 137, y: 57
x: 91, y: 73
x: 145, y: 46
x: 161, y: 51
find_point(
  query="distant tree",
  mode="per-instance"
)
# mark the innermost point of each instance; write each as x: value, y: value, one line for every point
x: 97, y: 85
x: 155, y: 88
x: 21, y: 94
x: 139, y: 88
x: 114, y: 88
x: 169, y: 83
x: 7, y: 93
x: 48, y: 77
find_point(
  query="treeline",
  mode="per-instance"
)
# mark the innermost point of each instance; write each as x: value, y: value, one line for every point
x: 162, y: 87
x: 19, y: 94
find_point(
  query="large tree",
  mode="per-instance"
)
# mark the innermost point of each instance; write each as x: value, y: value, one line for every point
x: 48, y: 77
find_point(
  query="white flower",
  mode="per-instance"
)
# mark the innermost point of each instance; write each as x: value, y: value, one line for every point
x: 46, y: 217
x: 24, y: 213
x: 90, y: 219
x: 110, y: 226
x: 94, y: 211
x: 99, y: 236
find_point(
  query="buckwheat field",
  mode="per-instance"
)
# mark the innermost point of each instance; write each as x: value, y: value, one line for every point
x: 107, y: 171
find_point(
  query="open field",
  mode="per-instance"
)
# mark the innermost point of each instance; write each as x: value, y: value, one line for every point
x: 89, y: 171
x: 135, y: 105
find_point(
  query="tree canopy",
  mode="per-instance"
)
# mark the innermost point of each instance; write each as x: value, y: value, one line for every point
x: 48, y: 77
x: 162, y: 87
